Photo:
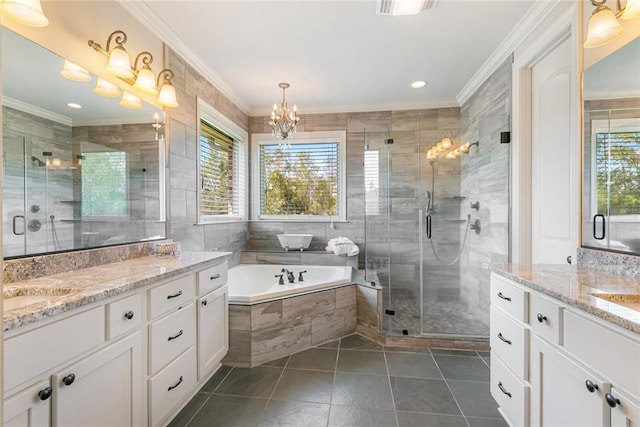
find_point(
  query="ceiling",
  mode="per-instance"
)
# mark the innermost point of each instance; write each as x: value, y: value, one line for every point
x: 337, y: 55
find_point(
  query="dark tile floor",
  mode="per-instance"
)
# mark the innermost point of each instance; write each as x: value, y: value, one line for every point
x: 350, y: 382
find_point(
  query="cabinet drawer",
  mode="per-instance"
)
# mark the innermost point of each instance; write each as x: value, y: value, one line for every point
x: 170, y: 295
x: 546, y: 318
x: 212, y: 278
x: 626, y: 412
x: 604, y: 349
x: 510, y: 342
x: 509, y: 297
x: 170, y: 336
x: 511, y: 394
x: 171, y: 385
x: 124, y: 316
x: 28, y: 355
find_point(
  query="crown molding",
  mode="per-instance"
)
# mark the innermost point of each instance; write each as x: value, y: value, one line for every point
x: 141, y: 11
x: 361, y: 108
x: 16, y: 104
x: 111, y: 121
x: 516, y: 36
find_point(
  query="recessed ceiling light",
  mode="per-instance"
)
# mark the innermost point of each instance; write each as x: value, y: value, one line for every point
x: 73, y: 105
x: 418, y: 84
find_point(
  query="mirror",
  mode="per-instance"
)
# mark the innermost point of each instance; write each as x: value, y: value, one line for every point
x: 611, y: 162
x: 73, y: 178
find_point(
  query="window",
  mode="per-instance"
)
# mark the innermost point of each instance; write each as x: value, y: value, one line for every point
x: 303, y: 179
x: 221, y: 167
x: 104, y: 184
x: 372, y: 182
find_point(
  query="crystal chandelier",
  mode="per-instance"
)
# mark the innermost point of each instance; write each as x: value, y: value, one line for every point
x: 283, y: 123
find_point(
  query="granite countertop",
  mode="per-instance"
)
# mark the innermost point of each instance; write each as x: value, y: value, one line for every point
x: 74, y: 289
x: 575, y: 286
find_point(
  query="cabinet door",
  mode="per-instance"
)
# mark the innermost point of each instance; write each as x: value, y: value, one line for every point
x: 29, y: 408
x: 213, y: 330
x: 625, y: 412
x: 560, y: 390
x: 104, y: 389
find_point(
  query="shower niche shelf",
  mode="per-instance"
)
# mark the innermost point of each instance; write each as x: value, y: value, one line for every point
x: 455, y: 220
x: 72, y: 221
x: 71, y: 202
x: 453, y: 198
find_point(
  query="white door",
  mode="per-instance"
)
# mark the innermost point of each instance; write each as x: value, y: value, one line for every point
x: 553, y: 151
x: 213, y: 330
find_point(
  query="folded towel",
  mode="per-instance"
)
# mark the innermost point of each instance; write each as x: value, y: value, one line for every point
x: 342, y: 246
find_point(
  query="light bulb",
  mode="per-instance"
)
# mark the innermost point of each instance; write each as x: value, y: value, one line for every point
x: 119, y: 63
x: 603, y: 27
x: 74, y: 72
x: 106, y: 89
x: 130, y: 101
x: 27, y: 12
x: 146, y: 81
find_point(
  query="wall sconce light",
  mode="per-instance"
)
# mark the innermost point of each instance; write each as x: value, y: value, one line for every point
x: 106, y: 89
x: 74, y: 72
x: 158, y: 127
x: 140, y: 77
x: 603, y: 26
x: 130, y: 101
x: 27, y: 12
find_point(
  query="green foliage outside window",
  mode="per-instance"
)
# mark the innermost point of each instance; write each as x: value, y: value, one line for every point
x: 104, y: 184
x: 618, y: 172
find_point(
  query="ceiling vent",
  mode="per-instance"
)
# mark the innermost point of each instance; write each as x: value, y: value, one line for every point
x: 404, y: 7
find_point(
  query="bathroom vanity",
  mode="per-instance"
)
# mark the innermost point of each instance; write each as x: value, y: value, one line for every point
x: 565, y: 346
x: 126, y: 343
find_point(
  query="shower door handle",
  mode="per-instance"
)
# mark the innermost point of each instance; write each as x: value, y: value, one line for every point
x: 595, y: 234
x: 15, y: 223
x: 428, y: 226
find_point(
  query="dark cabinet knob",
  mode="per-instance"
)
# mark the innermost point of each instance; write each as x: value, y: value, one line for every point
x: 541, y: 318
x: 611, y: 401
x: 69, y: 379
x: 591, y: 386
x: 129, y: 315
x: 204, y: 302
x: 45, y: 393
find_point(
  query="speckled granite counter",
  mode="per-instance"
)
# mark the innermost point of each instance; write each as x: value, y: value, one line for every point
x: 575, y: 286
x: 74, y: 289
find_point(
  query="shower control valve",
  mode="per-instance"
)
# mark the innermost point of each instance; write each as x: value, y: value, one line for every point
x: 475, y: 206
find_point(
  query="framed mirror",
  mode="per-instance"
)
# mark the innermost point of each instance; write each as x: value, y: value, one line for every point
x: 611, y: 162
x: 79, y: 170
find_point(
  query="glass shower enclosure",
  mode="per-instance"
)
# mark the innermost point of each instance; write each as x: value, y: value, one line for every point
x: 428, y: 225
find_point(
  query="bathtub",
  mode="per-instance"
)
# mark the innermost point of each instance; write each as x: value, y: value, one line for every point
x: 254, y: 283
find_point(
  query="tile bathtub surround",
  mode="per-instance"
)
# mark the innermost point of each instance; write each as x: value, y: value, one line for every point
x: 627, y: 265
x: 267, y: 331
x: 275, y: 256
x: 323, y: 386
x: 576, y: 286
x: 16, y: 270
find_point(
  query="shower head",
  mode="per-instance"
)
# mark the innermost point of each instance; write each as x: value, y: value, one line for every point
x: 40, y: 162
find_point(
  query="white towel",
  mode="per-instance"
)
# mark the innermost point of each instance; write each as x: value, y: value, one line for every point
x: 342, y: 246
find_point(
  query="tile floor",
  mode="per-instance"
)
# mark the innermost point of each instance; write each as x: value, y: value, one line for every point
x: 350, y: 382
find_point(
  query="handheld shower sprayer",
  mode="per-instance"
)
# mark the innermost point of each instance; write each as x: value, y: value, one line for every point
x: 40, y: 162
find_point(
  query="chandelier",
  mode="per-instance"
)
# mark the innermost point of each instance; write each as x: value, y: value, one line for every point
x: 283, y: 123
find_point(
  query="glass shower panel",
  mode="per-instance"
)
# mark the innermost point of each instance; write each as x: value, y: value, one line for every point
x: 13, y: 187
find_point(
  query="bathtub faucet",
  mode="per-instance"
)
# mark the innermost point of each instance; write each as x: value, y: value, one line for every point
x: 281, y: 281
x: 290, y: 275
x: 300, y: 278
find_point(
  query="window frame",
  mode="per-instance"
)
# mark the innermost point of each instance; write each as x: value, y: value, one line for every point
x: 259, y: 139
x: 221, y: 122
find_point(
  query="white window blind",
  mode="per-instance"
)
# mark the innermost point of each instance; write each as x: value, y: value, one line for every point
x: 104, y: 184
x: 372, y: 182
x: 221, y: 173
x: 300, y: 180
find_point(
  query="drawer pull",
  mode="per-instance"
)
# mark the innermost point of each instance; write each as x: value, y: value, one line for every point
x: 176, y: 336
x: 204, y: 302
x: 611, y: 401
x: 45, y: 393
x: 541, y: 318
x: 501, y: 295
x: 215, y: 276
x: 69, y: 379
x: 502, y: 389
x: 175, y: 385
x: 591, y: 386
x: 174, y: 295
x: 129, y: 315
x: 503, y: 339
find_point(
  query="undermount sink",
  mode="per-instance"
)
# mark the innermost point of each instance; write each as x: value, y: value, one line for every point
x: 631, y: 301
x: 295, y: 241
x: 20, y: 301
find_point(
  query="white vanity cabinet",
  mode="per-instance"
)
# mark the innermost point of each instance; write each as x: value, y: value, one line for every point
x: 213, y: 330
x: 29, y: 408
x: 579, y: 370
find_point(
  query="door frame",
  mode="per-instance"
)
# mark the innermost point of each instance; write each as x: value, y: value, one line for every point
x: 545, y: 37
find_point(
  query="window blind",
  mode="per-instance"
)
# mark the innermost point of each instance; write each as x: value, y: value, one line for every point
x: 221, y: 172
x: 299, y: 179
x: 618, y: 180
x: 104, y: 184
